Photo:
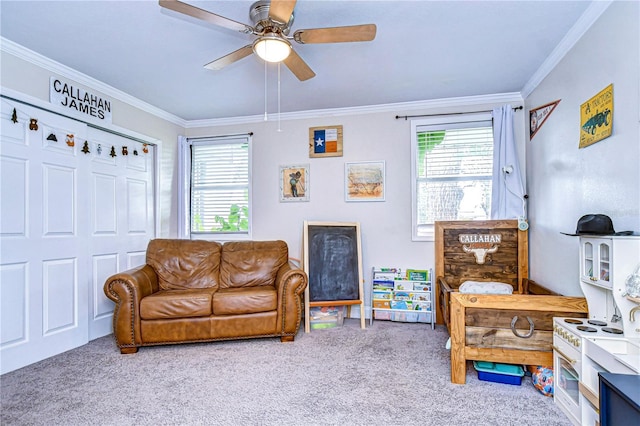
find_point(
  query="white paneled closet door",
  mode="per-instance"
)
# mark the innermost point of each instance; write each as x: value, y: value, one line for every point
x: 42, y: 246
x: 68, y: 220
x: 121, y: 217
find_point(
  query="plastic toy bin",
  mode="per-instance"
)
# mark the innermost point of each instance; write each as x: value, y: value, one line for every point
x: 326, y: 316
x: 499, y: 373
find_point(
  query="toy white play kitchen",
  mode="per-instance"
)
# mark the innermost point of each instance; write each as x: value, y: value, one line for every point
x: 609, y: 339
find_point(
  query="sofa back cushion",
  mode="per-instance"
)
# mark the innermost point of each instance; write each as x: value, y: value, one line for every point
x: 185, y: 264
x: 251, y: 263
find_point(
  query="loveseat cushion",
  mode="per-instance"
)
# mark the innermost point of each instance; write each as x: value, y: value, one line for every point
x: 185, y: 264
x: 251, y: 263
x: 245, y: 300
x: 177, y: 304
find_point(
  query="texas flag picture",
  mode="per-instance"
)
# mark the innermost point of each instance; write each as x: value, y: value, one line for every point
x: 325, y: 140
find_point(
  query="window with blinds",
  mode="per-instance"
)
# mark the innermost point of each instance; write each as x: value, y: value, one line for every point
x: 451, y: 171
x: 220, y: 186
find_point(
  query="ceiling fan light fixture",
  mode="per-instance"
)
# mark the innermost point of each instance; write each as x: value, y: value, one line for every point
x: 272, y: 48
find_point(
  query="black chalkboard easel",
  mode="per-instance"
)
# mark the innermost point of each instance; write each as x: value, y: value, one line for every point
x: 333, y: 263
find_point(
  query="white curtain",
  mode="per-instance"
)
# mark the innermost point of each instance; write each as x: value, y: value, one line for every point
x: 184, y: 186
x: 507, y: 199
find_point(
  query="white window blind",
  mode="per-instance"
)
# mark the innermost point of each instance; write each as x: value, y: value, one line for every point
x: 220, y: 185
x: 452, y: 172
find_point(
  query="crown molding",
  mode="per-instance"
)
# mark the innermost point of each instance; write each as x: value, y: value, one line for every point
x: 39, y: 60
x: 444, y: 103
x: 50, y: 65
x: 590, y: 15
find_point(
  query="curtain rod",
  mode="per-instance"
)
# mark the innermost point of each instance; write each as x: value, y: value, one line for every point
x: 450, y: 113
x: 198, y: 138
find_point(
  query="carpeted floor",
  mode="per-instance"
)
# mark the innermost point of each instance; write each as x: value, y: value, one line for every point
x: 388, y: 374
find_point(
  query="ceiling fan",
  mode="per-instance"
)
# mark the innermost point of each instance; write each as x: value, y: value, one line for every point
x: 272, y: 21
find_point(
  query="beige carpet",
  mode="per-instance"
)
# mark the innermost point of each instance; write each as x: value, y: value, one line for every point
x: 388, y: 374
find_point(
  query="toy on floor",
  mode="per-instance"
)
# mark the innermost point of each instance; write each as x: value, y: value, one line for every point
x: 542, y: 380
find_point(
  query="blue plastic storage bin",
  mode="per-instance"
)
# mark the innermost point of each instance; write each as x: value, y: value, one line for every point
x: 499, y: 373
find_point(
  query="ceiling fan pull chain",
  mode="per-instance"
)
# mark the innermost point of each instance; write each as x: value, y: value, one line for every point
x: 265, y: 90
x: 279, y: 129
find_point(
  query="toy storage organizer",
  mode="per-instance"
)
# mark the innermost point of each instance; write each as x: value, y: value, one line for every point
x: 405, y: 296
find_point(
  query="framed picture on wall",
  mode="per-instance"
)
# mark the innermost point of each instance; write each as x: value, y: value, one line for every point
x: 294, y: 183
x: 364, y: 181
x: 325, y: 141
x: 596, y: 118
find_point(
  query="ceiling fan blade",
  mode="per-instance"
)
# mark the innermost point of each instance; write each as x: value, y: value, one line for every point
x: 281, y: 10
x: 205, y: 15
x: 298, y: 67
x: 232, y: 57
x: 366, y: 32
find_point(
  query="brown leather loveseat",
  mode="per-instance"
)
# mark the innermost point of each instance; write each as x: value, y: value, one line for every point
x: 195, y: 291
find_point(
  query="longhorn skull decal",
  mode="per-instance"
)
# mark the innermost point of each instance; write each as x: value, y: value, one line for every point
x: 480, y: 245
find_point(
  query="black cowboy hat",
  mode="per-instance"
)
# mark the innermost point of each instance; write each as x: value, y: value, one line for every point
x: 596, y: 224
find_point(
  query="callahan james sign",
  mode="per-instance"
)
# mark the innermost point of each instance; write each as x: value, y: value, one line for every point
x: 79, y: 100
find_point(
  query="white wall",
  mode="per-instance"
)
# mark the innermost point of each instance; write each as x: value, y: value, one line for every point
x: 385, y: 226
x: 564, y: 182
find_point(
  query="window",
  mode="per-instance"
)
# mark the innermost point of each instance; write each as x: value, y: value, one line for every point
x: 216, y: 192
x: 452, y: 167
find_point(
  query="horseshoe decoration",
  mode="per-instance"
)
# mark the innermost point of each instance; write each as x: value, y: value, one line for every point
x: 514, y: 331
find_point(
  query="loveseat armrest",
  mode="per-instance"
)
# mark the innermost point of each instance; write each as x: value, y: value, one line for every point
x: 290, y: 284
x: 126, y: 289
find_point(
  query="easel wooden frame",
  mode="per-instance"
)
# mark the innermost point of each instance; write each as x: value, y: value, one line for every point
x: 349, y: 303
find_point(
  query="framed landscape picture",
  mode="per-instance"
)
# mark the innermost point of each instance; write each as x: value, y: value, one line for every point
x: 294, y: 183
x: 364, y: 181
